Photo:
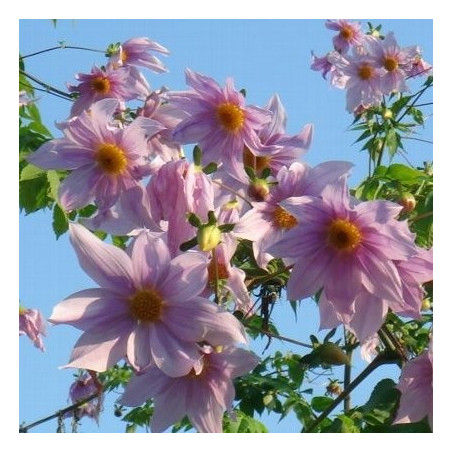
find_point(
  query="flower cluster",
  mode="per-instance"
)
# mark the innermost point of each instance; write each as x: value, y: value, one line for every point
x: 368, y: 66
x: 165, y: 302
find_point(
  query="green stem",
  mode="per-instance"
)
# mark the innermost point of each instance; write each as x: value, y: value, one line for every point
x: 347, y: 372
x: 382, y: 358
x: 62, y: 46
x: 255, y: 282
x: 60, y: 413
x: 46, y: 85
x: 217, y: 281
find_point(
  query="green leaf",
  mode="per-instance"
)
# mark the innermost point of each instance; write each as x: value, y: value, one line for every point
x: 210, y: 168
x: 243, y: 424
x: 391, y: 141
x: 54, y: 183
x: 320, y: 403
x: 403, y: 173
x: 342, y: 424
x: 33, y: 194
x: 30, y: 172
x: 60, y: 223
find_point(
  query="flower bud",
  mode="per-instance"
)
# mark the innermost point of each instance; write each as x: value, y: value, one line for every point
x: 259, y: 189
x: 208, y: 236
x: 387, y: 113
x: 331, y: 354
x: 408, y: 202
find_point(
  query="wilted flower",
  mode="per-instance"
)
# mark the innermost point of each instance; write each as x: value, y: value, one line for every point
x: 203, y: 394
x: 33, y: 324
x: 82, y: 388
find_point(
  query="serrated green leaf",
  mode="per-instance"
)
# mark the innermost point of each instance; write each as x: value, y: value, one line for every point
x: 30, y: 172
x: 60, y: 222
x: 54, y: 183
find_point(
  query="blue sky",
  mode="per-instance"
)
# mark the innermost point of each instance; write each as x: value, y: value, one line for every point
x: 264, y: 57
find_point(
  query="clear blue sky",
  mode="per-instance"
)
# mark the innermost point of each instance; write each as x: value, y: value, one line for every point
x: 263, y: 56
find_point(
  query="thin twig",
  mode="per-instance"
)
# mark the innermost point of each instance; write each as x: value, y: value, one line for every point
x: 62, y: 46
x: 46, y: 85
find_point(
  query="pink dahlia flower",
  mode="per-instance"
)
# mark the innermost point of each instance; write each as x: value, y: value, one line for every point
x: 203, y: 395
x: 363, y: 80
x: 147, y: 308
x: 122, y: 83
x: 395, y: 61
x: 33, y: 324
x: 345, y: 248
x: 350, y: 34
x: 219, y: 121
x: 105, y: 160
x: 416, y: 387
x: 137, y: 52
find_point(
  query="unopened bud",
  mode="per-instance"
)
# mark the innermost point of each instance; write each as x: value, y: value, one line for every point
x: 208, y: 236
x: 387, y: 113
x: 331, y: 354
x: 259, y: 190
x: 426, y: 305
x: 408, y: 202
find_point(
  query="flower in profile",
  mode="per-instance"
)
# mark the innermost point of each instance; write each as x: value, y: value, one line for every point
x: 33, y: 324
x: 121, y: 83
x: 219, y: 121
x: 416, y: 387
x: 105, y: 159
x: 85, y: 387
x: 138, y: 52
x: 345, y: 247
x: 203, y: 395
x: 350, y: 34
x: 419, y: 67
x: 147, y: 309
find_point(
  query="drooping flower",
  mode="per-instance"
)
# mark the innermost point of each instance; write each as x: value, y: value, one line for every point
x: 82, y: 388
x: 121, y: 83
x: 363, y: 79
x: 203, y: 395
x: 147, y: 309
x: 416, y: 387
x: 219, y: 121
x: 104, y: 158
x: 345, y: 247
x: 350, y: 34
x: 33, y: 324
x: 138, y: 52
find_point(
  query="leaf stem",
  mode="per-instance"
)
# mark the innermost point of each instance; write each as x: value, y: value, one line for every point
x: 61, y: 46
x: 46, y: 85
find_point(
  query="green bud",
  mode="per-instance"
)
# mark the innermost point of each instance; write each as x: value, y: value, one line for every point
x: 407, y: 201
x: 208, y: 236
x: 387, y: 113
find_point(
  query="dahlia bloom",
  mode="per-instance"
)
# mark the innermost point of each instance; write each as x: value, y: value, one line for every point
x: 105, y: 160
x: 82, y: 388
x: 419, y: 67
x: 416, y: 387
x: 147, y: 308
x: 219, y: 121
x: 350, y: 34
x: 121, y: 83
x: 137, y: 52
x: 203, y: 394
x: 33, y: 324
x: 345, y: 247
x: 267, y: 222
x: 395, y: 61
x: 363, y: 80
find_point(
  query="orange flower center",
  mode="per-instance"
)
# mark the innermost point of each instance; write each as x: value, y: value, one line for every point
x: 146, y: 305
x: 365, y: 71
x: 230, y: 116
x: 390, y: 64
x: 111, y: 159
x: 258, y: 163
x: 101, y: 85
x: 283, y: 219
x: 343, y: 235
x: 347, y: 32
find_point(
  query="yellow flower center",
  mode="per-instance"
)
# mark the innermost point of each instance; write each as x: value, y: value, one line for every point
x: 365, y: 71
x: 258, y: 163
x: 230, y: 116
x: 390, y: 64
x: 343, y: 235
x: 146, y: 305
x: 111, y: 159
x: 283, y: 219
x: 347, y: 32
x: 101, y: 85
